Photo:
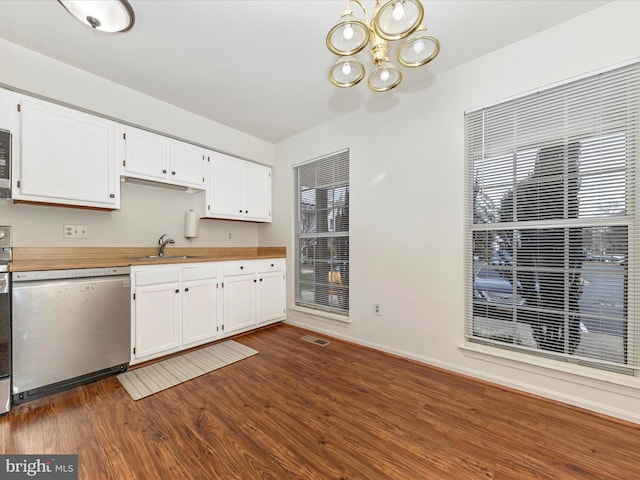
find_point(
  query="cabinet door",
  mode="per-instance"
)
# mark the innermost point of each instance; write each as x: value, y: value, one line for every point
x: 145, y: 154
x: 271, y: 296
x: 65, y: 156
x: 157, y: 320
x: 199, y: 312
x: 225, y: 186
x: 257, y: 192
x: 186, y: 164
x: 239, y: 302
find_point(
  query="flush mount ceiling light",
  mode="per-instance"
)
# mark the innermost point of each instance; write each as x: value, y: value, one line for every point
x: 392, y: 21
x: 109, y: 16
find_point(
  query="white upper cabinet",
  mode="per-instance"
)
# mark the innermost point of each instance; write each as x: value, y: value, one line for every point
x: 186, y: 164
x: 150, y: 156
x: 64, y: 156
x: 257, y: 192
x: 237, y: 190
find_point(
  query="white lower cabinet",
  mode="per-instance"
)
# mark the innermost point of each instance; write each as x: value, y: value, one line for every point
x: 180, y: 306
x: 199, y: 305
x: 239, y: 296
x: 156, y: 310
x: 253, y: 293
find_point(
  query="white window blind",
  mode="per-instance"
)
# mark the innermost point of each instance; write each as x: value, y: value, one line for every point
x: 552, y: 222
x: 322, y: 233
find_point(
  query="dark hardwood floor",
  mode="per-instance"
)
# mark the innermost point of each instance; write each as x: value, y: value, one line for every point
x: 300, y: 411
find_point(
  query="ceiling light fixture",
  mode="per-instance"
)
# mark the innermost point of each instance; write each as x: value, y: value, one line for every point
x: 393, y: 20
x: 109, y: 16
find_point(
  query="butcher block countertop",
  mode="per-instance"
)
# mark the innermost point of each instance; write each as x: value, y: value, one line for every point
x: 59, y: 258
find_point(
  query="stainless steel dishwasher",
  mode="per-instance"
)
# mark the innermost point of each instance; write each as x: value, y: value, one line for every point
x: 70, y: 327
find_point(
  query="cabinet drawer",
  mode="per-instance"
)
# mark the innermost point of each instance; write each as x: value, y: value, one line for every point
x: 270, y: 265
x: 153, y: 277
x: 199, y: 273
x: 240, y: 267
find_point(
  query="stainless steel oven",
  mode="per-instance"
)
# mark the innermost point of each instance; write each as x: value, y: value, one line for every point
x: 5, y: 320
x: 5, y: 164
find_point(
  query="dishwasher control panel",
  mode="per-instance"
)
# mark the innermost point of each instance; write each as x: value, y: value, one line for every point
x: 69, y: 273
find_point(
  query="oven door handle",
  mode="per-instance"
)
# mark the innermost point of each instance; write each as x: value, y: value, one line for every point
x: 4, y: 283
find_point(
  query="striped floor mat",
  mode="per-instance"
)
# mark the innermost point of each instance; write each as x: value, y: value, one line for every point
x: 145, y: 381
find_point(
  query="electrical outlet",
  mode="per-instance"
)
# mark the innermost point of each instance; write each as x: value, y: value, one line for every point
x: 377, y: 308
x: 75, y: 231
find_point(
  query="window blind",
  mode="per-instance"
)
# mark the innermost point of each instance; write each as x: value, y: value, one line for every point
x: 322, y: 233
x: 551, y: 222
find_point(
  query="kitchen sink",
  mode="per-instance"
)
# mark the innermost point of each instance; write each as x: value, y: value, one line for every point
x: 168, y: 257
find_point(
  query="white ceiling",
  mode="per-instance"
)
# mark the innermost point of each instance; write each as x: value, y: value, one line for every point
x: 260, y: 66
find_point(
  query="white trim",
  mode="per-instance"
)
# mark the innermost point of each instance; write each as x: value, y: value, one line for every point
x: 556, y: 84
x: 321, y: 314
x: 554, y: 369
x: 321, y: 157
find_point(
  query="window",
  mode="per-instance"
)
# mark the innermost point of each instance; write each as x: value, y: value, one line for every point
x: 552, y: 222
x: 322, y: 233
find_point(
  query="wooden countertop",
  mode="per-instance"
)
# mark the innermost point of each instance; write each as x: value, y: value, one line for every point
x: 60, y: 258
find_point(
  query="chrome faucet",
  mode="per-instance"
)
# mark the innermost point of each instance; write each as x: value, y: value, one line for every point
x: 163, y: 243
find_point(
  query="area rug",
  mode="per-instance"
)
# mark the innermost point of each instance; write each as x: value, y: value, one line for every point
x: 145, y: 381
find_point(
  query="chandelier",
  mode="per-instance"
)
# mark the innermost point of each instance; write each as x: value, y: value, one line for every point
x: 393, y: 20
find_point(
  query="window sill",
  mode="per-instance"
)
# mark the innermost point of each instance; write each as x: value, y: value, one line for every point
x: 319, y: 313
x: 559, y: 370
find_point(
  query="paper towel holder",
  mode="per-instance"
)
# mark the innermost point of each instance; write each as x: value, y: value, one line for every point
x: 191, y: 224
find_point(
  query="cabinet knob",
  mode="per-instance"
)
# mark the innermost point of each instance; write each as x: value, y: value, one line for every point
x: 240, y: 211
x: 164, y: 171
x: 173, y: 173
x: 241, y: 267
x: 260, y: 279
x: 246, y: 211
x: 186, y: 289
x: 177, y: 290
x: 272, y: 264
x: 254, y: 280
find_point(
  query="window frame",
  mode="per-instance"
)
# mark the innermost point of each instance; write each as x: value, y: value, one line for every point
x: 630, y: 220
x: 333, y: 292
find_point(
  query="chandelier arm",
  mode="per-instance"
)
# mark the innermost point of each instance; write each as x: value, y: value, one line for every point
x: 364, y: 10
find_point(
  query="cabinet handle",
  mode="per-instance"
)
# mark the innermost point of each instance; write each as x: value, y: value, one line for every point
x: 186, y: 289
x: 246, y: 211
x: 254, y: 280
x: 173, y: 173
x: 241, y: 267
x: 177, y: 290
x: 164, y: 171
x: 272, y: 264
x: 112, y: 195
x: 240, y: 211
x: 260, y: 279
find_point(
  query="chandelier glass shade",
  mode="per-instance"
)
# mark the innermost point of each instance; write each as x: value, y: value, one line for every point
x: 110, y: 16
x: 392, y: 20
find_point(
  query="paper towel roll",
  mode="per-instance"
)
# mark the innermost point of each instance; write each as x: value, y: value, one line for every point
x: 191, y: 223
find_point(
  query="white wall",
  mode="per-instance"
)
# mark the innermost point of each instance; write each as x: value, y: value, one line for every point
x: 407, y: 186
x: 146, y: 212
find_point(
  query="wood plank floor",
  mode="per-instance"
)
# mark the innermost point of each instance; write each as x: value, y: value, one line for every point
x: 300, y: 411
